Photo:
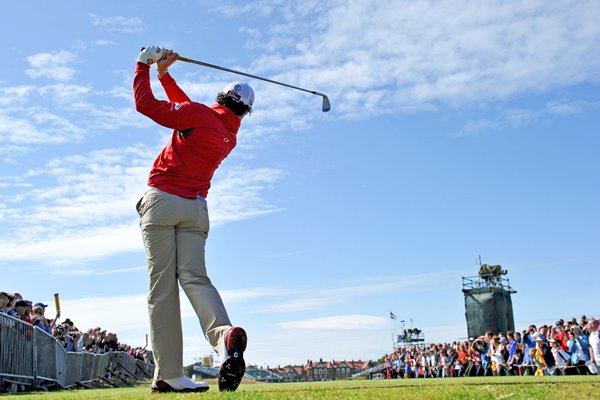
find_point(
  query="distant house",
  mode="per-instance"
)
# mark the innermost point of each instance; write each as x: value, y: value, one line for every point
x: 321, y: 370
x: 290, y: 373
x: 334, y: 370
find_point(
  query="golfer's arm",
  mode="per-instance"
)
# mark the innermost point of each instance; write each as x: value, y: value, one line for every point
x: 168, y: 114
x: 173, y: 91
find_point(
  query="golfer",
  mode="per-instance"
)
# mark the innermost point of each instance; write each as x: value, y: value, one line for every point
x: 174, y: 220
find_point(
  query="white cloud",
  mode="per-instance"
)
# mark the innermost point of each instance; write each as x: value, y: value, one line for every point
x: 112, y: 118
x: 82, y: 207
x: 517, y: 117
x: 32, y: 117
x: 35, y: 126
x: 373, y: 57
x: 478, y: 127
x: 337, y: 323
x: 104, y: 43
x: 316, y: 298
x: 569, y: 107
x: 56, y: 66
x: 261, y: 7
x: 120, y: 270
x: 67, y: 247
x: 14, y: 95
x: 65, y: 94
x: 238, y: 192
x: 231, y: 296
x: 101, y: 311
x: 119, y: 23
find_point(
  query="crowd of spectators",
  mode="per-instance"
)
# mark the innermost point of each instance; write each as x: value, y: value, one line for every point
x: 94, y: 340
x: 565, y: 348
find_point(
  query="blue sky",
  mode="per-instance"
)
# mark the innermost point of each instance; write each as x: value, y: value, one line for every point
x: 456, y: 129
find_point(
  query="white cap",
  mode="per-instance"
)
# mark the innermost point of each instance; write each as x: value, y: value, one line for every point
x: 240, y: 91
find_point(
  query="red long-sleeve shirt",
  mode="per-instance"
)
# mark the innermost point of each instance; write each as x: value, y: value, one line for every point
x: 202, y: 136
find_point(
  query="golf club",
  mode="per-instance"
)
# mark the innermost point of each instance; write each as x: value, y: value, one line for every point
x: 326, y: 105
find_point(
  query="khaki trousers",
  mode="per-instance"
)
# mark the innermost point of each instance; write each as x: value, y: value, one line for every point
x: 174, y: 230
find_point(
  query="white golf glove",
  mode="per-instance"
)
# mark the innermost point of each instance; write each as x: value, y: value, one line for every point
x: 151, y: 54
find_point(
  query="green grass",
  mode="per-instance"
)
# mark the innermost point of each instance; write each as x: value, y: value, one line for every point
x: 584, y: 387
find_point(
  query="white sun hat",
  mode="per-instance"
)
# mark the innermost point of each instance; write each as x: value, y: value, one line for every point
x: 240, y: 91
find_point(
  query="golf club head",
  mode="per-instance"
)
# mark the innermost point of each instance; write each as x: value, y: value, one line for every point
x: 326, y: 104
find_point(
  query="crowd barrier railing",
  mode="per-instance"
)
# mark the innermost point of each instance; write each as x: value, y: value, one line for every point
x: 32, y: 358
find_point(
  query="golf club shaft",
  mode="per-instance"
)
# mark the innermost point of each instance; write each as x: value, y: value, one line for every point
x: 326, y: 104
x: 189, y: 60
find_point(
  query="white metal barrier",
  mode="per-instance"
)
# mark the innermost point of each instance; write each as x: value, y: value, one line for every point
x: 34, y: 359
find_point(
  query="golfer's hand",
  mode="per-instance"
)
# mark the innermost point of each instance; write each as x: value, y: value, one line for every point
x: 168, y: 59
x: 151, y: 54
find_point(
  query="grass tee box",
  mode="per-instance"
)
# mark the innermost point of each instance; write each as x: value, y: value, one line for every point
x: 577, y: 387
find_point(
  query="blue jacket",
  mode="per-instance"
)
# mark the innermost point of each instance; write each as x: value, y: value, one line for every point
x: 583, y: 342
x: 512, y: 349
x: 529, y: 343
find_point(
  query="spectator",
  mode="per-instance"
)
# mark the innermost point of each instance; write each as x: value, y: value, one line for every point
x: 462, y: 357
x: 29, y: 307
x: 514, y: 340
x: 501, y: 357
x: 562, y: 337
x: 416, y: 363
x: 69, y: 325
x: 111, y: 342
x: 445, y: 364
x: 407, y: 365
x: 398, y: 366
x: 578, y: 354
x: 528, y: 341
x: 21, y: 311
x: 594, y: 340
x: 85, y: 337
x: 542, y: 331
x: 39, y: 319
x: 561, y: 357
x: 149, y: 357
x: 543, y: 350
x: 97, y: 345
x: 473, y: 362
x: 434, y: 361
x: 4, y: 302
x: 426, y: 364
x: 10, y: 309
x: 480, y: 356
x: 537, y: 360
x: 59, y: 333
x: 583, y: 321
x: 519, y: 360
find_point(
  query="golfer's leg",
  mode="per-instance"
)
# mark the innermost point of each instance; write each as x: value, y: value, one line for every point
x: 191, y: 269
x: 163, y: 298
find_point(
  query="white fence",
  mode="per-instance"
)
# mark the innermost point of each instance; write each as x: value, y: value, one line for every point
x: 31, y: 358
